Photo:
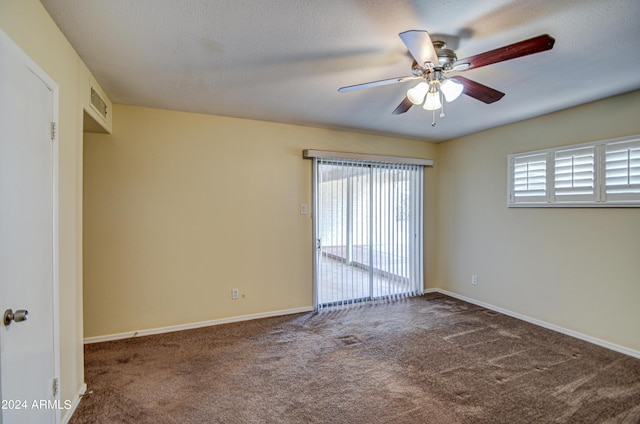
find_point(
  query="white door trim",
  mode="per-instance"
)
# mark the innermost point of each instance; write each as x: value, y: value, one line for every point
x: 55, y: 90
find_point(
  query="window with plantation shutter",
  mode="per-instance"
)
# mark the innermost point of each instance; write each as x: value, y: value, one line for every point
x: 574, y: 174
x: 602, y: 173
x: 622, y: 177
x: 529, y: 178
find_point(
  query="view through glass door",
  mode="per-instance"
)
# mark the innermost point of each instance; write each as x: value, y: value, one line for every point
x: 368, y: 226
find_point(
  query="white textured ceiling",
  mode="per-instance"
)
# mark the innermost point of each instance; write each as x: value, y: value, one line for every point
x: 284, y: 60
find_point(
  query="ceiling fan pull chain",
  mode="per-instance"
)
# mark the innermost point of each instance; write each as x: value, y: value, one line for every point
x: 441, y: 107
x: 433, y: 119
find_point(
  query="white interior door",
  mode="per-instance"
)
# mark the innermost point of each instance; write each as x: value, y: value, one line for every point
x: 27, y: 266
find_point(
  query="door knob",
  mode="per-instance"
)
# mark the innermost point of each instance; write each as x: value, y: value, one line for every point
x: 17, y: 316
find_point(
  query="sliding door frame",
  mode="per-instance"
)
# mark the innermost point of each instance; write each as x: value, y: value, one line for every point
x: 415, y: 225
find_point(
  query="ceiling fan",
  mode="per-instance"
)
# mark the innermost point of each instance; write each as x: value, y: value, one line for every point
x: 433, y: 63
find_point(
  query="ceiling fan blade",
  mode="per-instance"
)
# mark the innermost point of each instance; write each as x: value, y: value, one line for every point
x: 421, y: 47
x: 478, y: 91
x: 403, y: 107
x: 523, y: 48
x: 377, y: 83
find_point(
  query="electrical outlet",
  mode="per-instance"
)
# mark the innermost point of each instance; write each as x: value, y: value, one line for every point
x: 234, y: 294
x: 303, y: 209
x: 474, y: 280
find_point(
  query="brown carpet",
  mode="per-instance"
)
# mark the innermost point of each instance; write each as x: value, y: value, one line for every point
x: 432, y: 359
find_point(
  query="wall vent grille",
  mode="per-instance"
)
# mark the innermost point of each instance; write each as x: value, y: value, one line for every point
x: 98, y: 104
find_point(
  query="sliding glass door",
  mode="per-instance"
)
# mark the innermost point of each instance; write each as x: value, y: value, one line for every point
x: 368, y: 222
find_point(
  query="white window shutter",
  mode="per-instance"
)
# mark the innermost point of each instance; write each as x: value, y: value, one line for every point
x: 574, y: 178
x: 529, y: 179
x: 622, y: 169
x: 596, y: 174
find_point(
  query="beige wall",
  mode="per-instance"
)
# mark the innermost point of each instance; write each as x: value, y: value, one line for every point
x: 169, y: 231
x: 29, y: 25
x: 575, y: 268
x: 180, y: 208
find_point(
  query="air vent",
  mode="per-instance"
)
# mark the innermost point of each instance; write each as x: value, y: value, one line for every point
x: 98, y: 104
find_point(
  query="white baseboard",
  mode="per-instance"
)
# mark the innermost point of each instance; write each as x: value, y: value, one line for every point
x: 577, y: 335
x: 76, y: 402
x: 169, y: 329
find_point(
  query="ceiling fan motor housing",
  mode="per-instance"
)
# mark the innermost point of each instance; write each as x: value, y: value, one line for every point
x: 446, y: 56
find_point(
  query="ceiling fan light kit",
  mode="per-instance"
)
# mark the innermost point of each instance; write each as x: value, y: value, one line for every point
x: 433, y: 62
x: 432, y: 102
x: 418, y: 93
x: 451, y: 89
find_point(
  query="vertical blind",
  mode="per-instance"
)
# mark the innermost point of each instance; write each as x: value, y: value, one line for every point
x: 369, y: 230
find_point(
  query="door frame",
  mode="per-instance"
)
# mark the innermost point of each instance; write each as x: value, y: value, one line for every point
x: 55, y: 97
x: 373, y: 163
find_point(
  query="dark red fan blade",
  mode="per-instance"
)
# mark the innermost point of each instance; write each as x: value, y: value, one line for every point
x: 523, y: 48
x: 479, y: 91
x: 403, y: 107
